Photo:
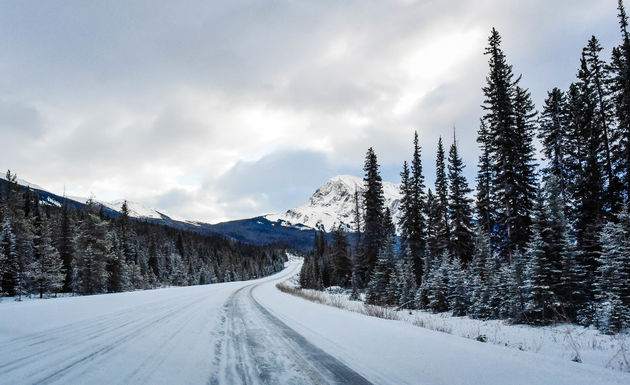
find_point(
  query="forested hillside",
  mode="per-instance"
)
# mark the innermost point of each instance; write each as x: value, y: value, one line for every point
x: 534, y: 244
x: 47, y: 250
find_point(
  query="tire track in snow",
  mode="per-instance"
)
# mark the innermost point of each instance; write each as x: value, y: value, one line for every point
x: 255, y: 347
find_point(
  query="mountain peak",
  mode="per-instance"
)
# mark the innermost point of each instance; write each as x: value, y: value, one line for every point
x: 332, y: 205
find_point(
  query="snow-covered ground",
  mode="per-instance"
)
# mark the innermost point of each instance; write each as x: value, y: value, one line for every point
x: 565, y: 341
x: 250, y: 332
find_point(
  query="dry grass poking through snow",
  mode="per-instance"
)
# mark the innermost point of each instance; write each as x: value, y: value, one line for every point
x: 338, y: 301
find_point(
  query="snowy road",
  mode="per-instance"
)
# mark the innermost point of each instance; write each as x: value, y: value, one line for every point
x: 253, y: 346
x: 248, y: 332
x: 216, y: 334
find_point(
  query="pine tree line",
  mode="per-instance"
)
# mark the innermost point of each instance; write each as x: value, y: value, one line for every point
x: 45, y: 250
x: 533, y: 247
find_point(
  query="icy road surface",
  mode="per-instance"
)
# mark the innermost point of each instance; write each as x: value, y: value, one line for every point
x: 248, y: 332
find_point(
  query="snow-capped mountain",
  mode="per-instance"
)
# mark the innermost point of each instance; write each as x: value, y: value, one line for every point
x: 333, y: 205
x: 330, y: 206
x: 136, y: 209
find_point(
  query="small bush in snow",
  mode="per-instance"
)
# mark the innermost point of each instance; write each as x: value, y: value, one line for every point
x: 482, y: 338
x: 380, y: 312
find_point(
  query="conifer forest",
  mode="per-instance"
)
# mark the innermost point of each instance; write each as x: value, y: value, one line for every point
x: 46, y: 250
x: 544, y: 237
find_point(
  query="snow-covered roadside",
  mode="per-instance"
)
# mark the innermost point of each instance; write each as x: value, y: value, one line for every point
x: 564, y: 341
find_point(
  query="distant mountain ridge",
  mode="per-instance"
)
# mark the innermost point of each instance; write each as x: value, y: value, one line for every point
x: 331, y: 205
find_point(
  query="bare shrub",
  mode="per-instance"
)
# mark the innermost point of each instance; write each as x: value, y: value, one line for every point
x: 380, y: 312
x: 621, y: 359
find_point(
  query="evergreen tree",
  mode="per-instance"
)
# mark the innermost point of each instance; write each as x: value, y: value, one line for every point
x: 9, y: 259
x: 524, y: 189
x: 374, y: 201
x: 538, y: 271
x: 459, y: 208
x: 406, y: 206
x: 561, y: 249
x: 357, y: 255
x: 551, y: 281
x: 484, y: 205
x: 432, y: 217
x: 64, y: 244
x: 458, y: 288
x: 118, y: 279
x: 379, y: 288
x: 495, y: 290
x: 477, y: 273
x: 407, y: 287
x: 46, y: 270
x: 613, y: 279
x: 589, y: 192
x: 509, y: 121
x: 512, y: 284
x: 342, y: 271
x: 92, y: 245
x: 441, y: 192
x: 438, y: 287
x: 598, y: 76
x: 415, y: 222
x: 554, y: 125
x: 125, y: 234
x: 620, y: 94
x: 486, y: 297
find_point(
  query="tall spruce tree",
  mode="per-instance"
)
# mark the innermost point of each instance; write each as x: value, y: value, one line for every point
x: 562, y: 251
x: 589, y: 186
x: 405, y: 223
x: 373, y: 200
x: 459, y: 208
x: 92, y: 247
x: 64, y: 244
x: 598, y: 77
x: 551, y: 259
x: 484, y: 204
x: 124, y: 233
x: 620, y: 94
x: 524, y: 189
x: 553, y: 132
x: 441, y: 192
x: 509, y: 114
x: 417, y: 237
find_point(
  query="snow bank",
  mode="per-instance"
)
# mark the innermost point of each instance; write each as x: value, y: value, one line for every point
x: 567, y: 342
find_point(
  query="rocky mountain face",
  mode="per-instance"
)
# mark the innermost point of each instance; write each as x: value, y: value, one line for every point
x: 333, y: 205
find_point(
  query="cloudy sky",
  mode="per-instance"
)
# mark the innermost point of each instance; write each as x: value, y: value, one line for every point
x: 225, y: 109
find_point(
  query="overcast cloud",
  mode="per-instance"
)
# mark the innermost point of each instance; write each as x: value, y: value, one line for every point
x: 229, y: 109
